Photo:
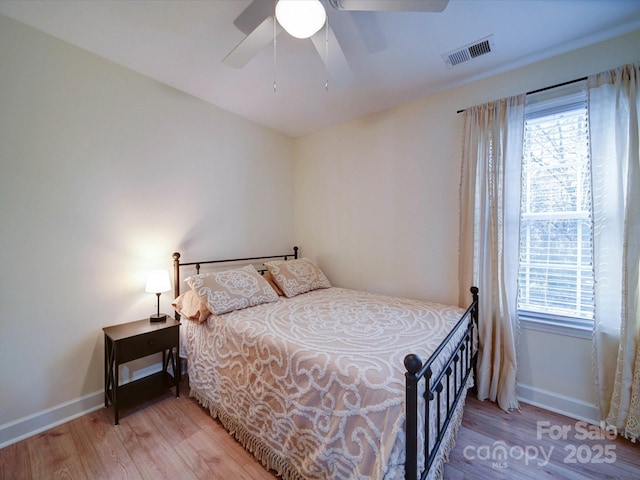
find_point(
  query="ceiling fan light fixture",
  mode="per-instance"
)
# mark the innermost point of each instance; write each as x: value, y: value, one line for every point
x: 301, y: 18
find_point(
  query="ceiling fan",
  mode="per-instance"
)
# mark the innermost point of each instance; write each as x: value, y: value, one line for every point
x: 261, y: 22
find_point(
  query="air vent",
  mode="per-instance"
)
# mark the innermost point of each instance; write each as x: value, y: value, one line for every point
x: 468, y: 52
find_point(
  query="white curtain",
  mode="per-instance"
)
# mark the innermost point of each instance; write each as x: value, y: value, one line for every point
x: 613, y: 110
x: 489, y: 236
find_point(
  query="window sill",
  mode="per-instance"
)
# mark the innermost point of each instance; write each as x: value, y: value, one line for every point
x: 549, y: 324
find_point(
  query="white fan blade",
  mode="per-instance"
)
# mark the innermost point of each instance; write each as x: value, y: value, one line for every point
x: 253, y: 15
x: 390, y: 5
x: 253, y: 43
x: 337, y: 64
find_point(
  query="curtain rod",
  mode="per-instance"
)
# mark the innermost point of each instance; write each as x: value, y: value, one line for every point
x: 546, y: 88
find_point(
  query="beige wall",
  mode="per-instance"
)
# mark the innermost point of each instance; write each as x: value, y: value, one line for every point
x: 104, y: 173
x: 377, y: 205
x: 376, y: 200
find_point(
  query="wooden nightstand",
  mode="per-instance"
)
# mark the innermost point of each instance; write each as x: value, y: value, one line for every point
x: 130, y: 341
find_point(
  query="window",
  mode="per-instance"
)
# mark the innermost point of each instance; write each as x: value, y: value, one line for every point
x: 556, y: 258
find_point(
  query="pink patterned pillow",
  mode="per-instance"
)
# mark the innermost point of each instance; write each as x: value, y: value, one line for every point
x: 297, y: 276
x: 230, y: 290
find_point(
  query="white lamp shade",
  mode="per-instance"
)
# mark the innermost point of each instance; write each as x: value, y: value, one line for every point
x: 300, y: 18
x: 158, y: 282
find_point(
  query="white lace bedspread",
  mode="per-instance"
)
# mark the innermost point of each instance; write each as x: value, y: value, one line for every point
x: 314, y: 385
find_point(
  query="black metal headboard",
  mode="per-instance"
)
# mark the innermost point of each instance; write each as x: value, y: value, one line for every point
x: 177, y: 264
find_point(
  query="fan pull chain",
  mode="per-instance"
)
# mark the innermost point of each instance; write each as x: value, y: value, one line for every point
x: 275, y: 44
x: 326, y: 53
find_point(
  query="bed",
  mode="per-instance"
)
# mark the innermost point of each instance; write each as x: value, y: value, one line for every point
x: 323, y: 382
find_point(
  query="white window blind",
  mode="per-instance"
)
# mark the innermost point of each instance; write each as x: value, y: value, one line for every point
x: 556, y: 268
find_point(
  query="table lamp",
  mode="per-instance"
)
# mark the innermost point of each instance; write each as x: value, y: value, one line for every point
x: 158, y: 282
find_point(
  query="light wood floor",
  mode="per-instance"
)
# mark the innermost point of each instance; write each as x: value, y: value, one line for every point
x: 176, y: 439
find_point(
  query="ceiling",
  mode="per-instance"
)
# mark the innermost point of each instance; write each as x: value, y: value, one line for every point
x: 395, y: 57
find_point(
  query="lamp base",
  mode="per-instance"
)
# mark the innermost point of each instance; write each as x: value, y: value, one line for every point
x: 158, y: 317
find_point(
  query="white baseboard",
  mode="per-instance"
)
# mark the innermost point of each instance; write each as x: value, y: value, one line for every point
x: 555, y: 402
x: 30, y: 425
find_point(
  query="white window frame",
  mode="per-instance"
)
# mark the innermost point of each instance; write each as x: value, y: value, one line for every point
x: 560, y: 98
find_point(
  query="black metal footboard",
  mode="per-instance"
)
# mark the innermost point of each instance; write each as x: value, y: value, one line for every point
x: 443, y: 386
